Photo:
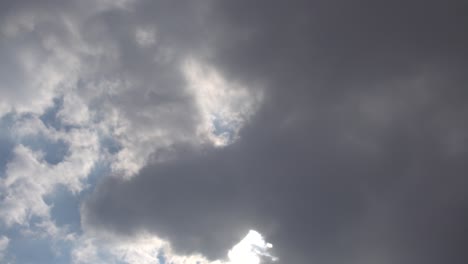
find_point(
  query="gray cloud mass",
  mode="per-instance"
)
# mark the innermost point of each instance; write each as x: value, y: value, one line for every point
x: 357, y: 154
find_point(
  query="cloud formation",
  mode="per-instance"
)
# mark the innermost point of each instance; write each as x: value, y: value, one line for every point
x: 335, y: 129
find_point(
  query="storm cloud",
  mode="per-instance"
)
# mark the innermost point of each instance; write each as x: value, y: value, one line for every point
x: 335, y: 129
x: 356, y: 155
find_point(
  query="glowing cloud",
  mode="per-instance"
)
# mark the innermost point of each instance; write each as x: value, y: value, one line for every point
x: 224, y: 106
x: 250, y: 250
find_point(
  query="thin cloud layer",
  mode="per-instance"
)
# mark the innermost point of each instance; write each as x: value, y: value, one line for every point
x: 4, y: 241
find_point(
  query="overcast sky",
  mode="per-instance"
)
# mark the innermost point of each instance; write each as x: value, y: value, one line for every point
x: 233, y: 132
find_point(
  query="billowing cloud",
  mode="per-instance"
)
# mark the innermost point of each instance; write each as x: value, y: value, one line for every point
x: 145, y: 248
x: 250, y: 249
x: 348, y: 135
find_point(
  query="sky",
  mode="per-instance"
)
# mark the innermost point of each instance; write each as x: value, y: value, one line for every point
x: 233, y: 132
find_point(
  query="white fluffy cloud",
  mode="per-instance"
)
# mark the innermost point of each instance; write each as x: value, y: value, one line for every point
x: 250, y: 250
x: 146, y: 249
x: 72, y: 64
x: 29, y: 178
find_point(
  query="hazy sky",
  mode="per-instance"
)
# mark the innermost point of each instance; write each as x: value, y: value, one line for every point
x: 233, y: 132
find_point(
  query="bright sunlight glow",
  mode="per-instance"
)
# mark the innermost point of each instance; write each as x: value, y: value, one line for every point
x: 250, y: 250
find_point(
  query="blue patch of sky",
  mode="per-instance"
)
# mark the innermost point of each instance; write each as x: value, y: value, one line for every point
x: 28, y: 249
x: 54, y: 151
x: 99, y: 170
x: 161, y: 257
x: 50, y: 118
x: 66, y: 205
x: 110, y: 145
x: 65, y: 208
x: 24, y: 249
x: 221, y: 128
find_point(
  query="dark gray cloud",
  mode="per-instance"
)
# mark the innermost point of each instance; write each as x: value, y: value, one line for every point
x: 356, y: 155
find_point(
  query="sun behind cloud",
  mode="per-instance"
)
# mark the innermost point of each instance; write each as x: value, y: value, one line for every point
x: 250, y: 250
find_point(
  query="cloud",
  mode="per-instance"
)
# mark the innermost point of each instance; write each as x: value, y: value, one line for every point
x: 4, y: 241
x: 335, y: 129
x: 29, y: 178
x: 224, y: 107
x: 144, y: 248
x: 250, y: 249
x: 81, y: 81
x: 341, y: 160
